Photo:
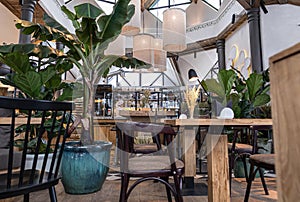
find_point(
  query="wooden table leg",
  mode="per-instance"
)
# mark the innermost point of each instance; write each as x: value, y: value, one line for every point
x: 189, y: 155
x: 217, y: 163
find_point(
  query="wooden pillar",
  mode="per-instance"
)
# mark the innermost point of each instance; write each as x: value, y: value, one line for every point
x: 217, y: 166
x: 285, y: 96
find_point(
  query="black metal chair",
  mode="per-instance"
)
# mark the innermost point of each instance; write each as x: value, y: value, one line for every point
x: 53, y: 122
x: 258, y: 162
x: 158, y: 166
x: 237, y: 149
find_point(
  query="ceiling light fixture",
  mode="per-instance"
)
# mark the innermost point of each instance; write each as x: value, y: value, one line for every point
x: 174, y: 30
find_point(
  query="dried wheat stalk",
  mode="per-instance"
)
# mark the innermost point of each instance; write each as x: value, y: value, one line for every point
x: 191, y: 95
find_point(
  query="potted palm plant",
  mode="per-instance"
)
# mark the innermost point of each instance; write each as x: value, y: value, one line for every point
x: 85, y: 163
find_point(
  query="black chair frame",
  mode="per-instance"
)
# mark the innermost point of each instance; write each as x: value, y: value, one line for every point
x: 54, y: 120
x: 125, y: 133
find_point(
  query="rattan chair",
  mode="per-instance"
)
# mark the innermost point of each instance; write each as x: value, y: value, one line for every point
x: 158, y: 166
x: 52, y: 126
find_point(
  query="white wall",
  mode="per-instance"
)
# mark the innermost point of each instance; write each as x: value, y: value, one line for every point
x: 53, y: 9
x: 280, y: 29
x: 9, y: 33
x: 241, y: 40
x: 199, y: 13
x: 202, y: 63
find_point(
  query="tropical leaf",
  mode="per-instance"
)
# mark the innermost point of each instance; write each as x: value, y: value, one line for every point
x: 17, y: 61
x: 261, y: 100
x: 51, y: 22
x: 71, y: 17
x: 87, y: 10
x: 254, y: 84
x: 30, y: 83
x: 48, y: 73
x: 226, y: 79
x: 214, y: 87
x: 111, y: 25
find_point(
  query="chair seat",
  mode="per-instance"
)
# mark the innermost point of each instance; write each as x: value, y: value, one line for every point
x: 145, y: 148
x: 266, y: 161
x: 241, y: 148
x: 151, y: 164
x: 26, y: 187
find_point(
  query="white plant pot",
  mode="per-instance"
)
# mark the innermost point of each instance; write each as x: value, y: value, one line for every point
x: 29, y: 161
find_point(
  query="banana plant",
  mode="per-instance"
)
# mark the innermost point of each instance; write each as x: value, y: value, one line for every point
x: 94, y: 31
x: 246, y: 96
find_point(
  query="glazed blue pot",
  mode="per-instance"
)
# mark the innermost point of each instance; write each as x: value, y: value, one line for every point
x: 84, y: 168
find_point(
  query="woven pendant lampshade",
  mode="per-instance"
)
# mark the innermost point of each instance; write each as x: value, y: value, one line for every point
x: 174, y: 30
x: 117, y: 47
x: 142, y: 47
x: 159, y: 55
x: 132, y: 28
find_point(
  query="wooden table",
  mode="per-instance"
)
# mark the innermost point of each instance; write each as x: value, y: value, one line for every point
x: 19, y: 120
x: 217, y: 159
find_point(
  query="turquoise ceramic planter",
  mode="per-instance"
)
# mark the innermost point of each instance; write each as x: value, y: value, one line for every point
x: 239, y: 171
x: 84, y: 168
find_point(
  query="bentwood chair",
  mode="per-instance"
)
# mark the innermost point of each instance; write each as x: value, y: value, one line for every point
x: 52, y: 127
x: 258, y: 162
x: 158, y: 166
x: 237, y: 149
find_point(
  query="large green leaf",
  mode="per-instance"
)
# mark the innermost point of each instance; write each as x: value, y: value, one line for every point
x: 22, y: 48
x: 30, y: 83
x: 111, y: 25
x: 17, y: 61
x: 53, y: 82
x: 48, y: 73
x: 226, y: 79
x: 261, y: 100
x: 87, y: 10
x: 88, y: 32
x: 254, y: 84
x: 51, y: 22
x: 71, y: 16
x: 215, y: 87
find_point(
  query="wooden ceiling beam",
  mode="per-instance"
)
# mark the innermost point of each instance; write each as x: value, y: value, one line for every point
x: 15, y: 8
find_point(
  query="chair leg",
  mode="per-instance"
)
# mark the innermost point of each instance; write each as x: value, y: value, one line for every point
x: 52, y: 194
x: 245, y: 167
x: 124, y: 187
x: 249, y: 182
x: 231, y: 164
x: 167, y: 189
x: 263, y: 181
x: 26, y: 198
x: 178, y: 196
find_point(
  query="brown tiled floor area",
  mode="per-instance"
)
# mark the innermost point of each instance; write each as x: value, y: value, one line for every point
x: 153, y: 192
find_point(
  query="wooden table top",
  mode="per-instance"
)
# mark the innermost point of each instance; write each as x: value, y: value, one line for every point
x: 19, y: 120
x: 219, y: 122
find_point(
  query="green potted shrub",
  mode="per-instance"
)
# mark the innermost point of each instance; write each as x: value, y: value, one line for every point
x: 85, y: 163
x: 248, y: 98
x: 36, y: 72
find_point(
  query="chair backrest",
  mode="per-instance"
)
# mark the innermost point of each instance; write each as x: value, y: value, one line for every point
x: 126, y: 132
x: 50, y: 122
x: 255, y: 130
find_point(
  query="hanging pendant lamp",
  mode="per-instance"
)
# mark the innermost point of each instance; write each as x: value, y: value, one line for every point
x: 174, y: 30
x: 132, y: 28
x: 142, y: 46
x: 159, y: 55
